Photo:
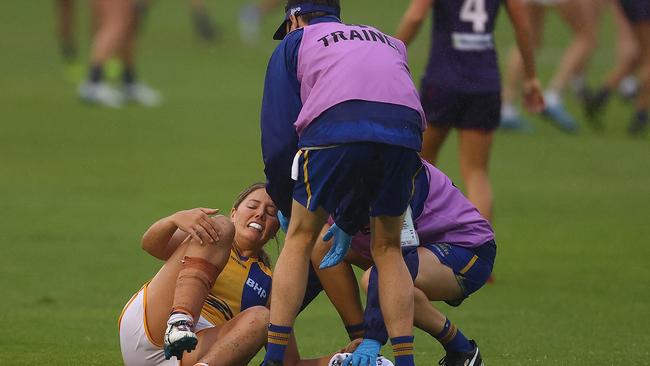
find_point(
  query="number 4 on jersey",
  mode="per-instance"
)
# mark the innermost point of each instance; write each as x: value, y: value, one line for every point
x: 473, y: 11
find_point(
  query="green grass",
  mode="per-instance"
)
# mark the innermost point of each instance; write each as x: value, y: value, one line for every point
x: 81, y: 184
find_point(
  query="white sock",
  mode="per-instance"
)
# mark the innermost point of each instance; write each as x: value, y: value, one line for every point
x: 552, y: 98
x: 508, y: 111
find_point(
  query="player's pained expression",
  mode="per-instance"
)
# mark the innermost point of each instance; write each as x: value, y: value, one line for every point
x: 255, y: 220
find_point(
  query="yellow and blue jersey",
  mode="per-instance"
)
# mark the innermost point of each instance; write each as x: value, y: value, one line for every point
x: 243, y: 283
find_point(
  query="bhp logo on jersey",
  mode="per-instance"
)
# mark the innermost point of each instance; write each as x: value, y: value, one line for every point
x: 261, y: 292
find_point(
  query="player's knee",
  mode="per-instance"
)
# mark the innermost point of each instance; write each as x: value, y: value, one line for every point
x: 257, y: 317
x: 226, y: 229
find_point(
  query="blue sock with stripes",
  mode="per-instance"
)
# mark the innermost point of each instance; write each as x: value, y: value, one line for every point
x: 403, y: 350
x: 278, y: 339
x: 453, y: 339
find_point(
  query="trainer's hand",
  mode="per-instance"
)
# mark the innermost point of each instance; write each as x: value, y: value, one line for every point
x: 365, y: 355
x: 198, y: 224
x: 533, y: 96
x: 284, y: 222
x: 339, y: 249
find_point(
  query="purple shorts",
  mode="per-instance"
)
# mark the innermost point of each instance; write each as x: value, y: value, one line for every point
x: 461, y: 110
x: 636, y: 10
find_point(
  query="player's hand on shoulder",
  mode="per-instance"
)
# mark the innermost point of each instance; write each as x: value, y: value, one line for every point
x: 198, y: 223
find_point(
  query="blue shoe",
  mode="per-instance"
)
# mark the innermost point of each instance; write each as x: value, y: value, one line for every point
x: 561, y: 118
x: 516, y: 124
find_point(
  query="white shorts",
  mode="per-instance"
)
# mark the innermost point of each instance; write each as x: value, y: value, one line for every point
x: 136, y: 343
x: 545, y: 2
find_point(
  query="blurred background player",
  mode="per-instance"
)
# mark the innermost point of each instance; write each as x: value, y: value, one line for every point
x: 250, y: 18
x: 580, y: 16
x: 66, y: 30
x: 633, y: 45
x: 115, y: 36
x: 344, y: 112
x: 461, y: 87
x: 204, y: 24
x: 627, y: 51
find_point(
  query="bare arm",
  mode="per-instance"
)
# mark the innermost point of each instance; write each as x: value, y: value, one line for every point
x: 532, y: 87
x: 412, y: 19
x: 165, y: 235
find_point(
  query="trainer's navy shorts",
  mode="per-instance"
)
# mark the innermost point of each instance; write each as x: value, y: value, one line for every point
x: 386, y: 172
x: 472, y: 266
x: 636, y: 10
x: 461, y: 110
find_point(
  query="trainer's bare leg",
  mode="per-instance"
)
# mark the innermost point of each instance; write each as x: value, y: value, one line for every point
x: 395, y: 283
x: 291, y: 269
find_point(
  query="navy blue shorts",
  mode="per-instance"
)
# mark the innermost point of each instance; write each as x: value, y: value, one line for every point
x: 472, y: 266
x: 461, y: 110
x: 636, y: 10
x: 386, y: 172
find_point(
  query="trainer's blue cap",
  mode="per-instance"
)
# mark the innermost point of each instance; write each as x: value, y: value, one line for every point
x: 302, y: 9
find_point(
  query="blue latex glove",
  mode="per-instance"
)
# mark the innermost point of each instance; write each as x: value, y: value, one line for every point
x: 365, y: 355
x: 339, y: 249
x: 284, y: 222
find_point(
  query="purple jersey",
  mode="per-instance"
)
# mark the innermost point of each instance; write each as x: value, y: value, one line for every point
x: 340, y: 62
x: 447, y: 217
x: 462, y: 55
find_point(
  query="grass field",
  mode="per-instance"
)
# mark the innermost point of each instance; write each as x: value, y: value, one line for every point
x: 80, y: 185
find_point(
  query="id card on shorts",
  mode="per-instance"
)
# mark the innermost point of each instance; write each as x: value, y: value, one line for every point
x: 409, y: 237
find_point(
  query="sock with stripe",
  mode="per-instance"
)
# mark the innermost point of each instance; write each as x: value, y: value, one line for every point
x: 403, y: 350
x: 278, y: 339
x: 355, y: 331
x: 452, y: 339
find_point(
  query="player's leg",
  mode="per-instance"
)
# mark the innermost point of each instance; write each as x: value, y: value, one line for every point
x: 182, y: 284
x: 432, y: 140
x: 627, y: 53
x: 511, y: 118
x: 112, y: 29
x: 134, y: 90
x: 234, y: 343
x: 203, y: 23
x: 476, y: 134
x: 250, y: 18
x: 441, y: 111
x: 578, y: 15
x: 474, y: 147
x: 639, y: 122
x: 65, y: 27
